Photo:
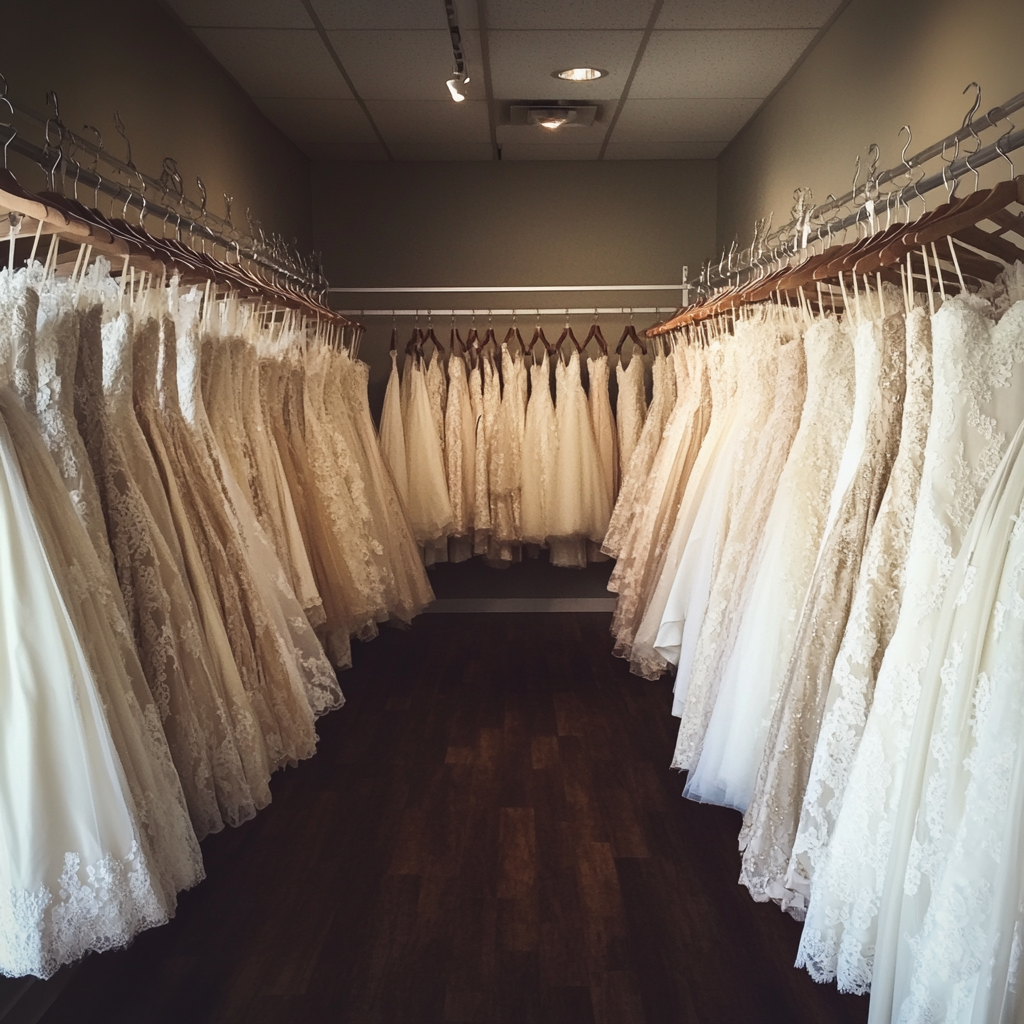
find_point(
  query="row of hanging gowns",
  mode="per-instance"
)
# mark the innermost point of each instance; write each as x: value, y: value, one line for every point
x: 838, y: 586
x: 194, y: 509
x: 488, y: 459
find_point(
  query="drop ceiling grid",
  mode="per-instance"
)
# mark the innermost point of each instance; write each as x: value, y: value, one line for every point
x: 707, y: 67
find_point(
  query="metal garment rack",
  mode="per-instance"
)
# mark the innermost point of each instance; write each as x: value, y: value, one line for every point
x: 808, y: 226
x: 523, y: 311
x: 52, y: 159
x: 683, y: 288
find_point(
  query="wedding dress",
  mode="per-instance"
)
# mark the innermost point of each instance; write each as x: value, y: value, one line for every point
x: 770, y: 824
x: 196, y: 716
x: 429, y: 509
x: 978, y: 397
x: 665, y: 375
x: 872, y: 620
x: 734, y: 742
x: 292, y: 657
x: 540, y: 442
x: 742, y: 553
x: 93, y: 825
x: 392, y: 433
x: 675, y: 614
x: 481, y: 466
x: 951, y: 917
x: 643, y: 548
x: 460, y: 457
x: 603, y: 423
x: 407, y: 590
x: 703, y: 506
x: 580, y: 507
x: 506, y: 462
x: 437, y: 391
x: 630, y: 410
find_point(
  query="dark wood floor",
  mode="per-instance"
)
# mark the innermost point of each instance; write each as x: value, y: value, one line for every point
x: 489, y: 832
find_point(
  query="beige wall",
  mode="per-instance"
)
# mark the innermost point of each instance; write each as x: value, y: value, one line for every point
x: 880, y: 65
x: 522, y: 223
x: 134, y: 57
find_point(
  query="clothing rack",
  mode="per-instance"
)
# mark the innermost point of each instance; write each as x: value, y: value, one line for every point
x: 273, y: 256
x: 808, y: 224
x: 523, y: 312
x: 683, y: 287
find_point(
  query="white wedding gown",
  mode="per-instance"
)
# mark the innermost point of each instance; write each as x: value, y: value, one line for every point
x: 736, y: 734
x: 978, y: 401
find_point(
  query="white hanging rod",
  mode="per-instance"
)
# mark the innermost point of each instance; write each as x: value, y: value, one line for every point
x: 525, y: 312
x: 515, y: 288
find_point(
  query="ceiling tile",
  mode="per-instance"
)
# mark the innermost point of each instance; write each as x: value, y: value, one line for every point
x: 663, y: 150
x: 692, y: 14
x: 741, y: 63
x: 277, y: 62
x: 241, y: 13
x: 568, y: 14
x: 320, y: 127
x: 527, y: 151
x: 708, y: 119
x: 443, y: 151
x: 522, y: 62
x: 534, y: 135
x: 427, y: 122
x: 406, y: 65
x: 391, y: 14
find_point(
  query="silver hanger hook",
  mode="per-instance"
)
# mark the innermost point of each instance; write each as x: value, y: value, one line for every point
x: 96, y: 163
x: 9, y: 132
x: 228, y: 200
x: 123, y: 132
x: 952, y: 181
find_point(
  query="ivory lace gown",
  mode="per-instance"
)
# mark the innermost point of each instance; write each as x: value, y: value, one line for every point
x: 271, y: 499
x: 665, y: 374
x: 978, y: 400
x: 429, y: 508
x: 392, y: 433
x: 408, y: 590
x: 506, y: 461
x: 734, y: 742
x: 94, y: 829
x: 770, y: 825
x: 292, y: 655
x: 872, y: 620
x: 643, y: 548
x: 199, y: 719
x: 671, y: 625
x: 481, y: 463
x: 708, y: 481
x: 741, y: 554
x: 580, y: 507
x: 460, y: 458
x: 603, y: 422
x: 630, y: 410
x: 952, y: 914
x: 540, y: 449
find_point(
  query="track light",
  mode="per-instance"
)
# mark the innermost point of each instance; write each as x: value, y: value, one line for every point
x: 455, y: 87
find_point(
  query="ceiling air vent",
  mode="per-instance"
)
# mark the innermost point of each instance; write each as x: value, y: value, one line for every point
x: 554, y: 115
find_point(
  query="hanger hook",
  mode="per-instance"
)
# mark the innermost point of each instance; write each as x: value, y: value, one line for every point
x: 10, y: 133
x: 123, y: 132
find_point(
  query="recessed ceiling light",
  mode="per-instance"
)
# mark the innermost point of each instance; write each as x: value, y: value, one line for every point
x: 579, y: 74
x: 552, y: 118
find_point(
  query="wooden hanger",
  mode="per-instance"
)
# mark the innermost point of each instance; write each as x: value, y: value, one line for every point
x: 629, y: 332
x: 538, y: 335
x: 595, y: 335
x: 514, y: 335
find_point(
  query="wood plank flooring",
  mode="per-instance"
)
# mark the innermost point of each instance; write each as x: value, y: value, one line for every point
x: 489, y: 832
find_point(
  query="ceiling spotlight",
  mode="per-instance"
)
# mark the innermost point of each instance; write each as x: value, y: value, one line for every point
x: 579, y: 74
x: 552, y: 118
x: 455, y: 87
